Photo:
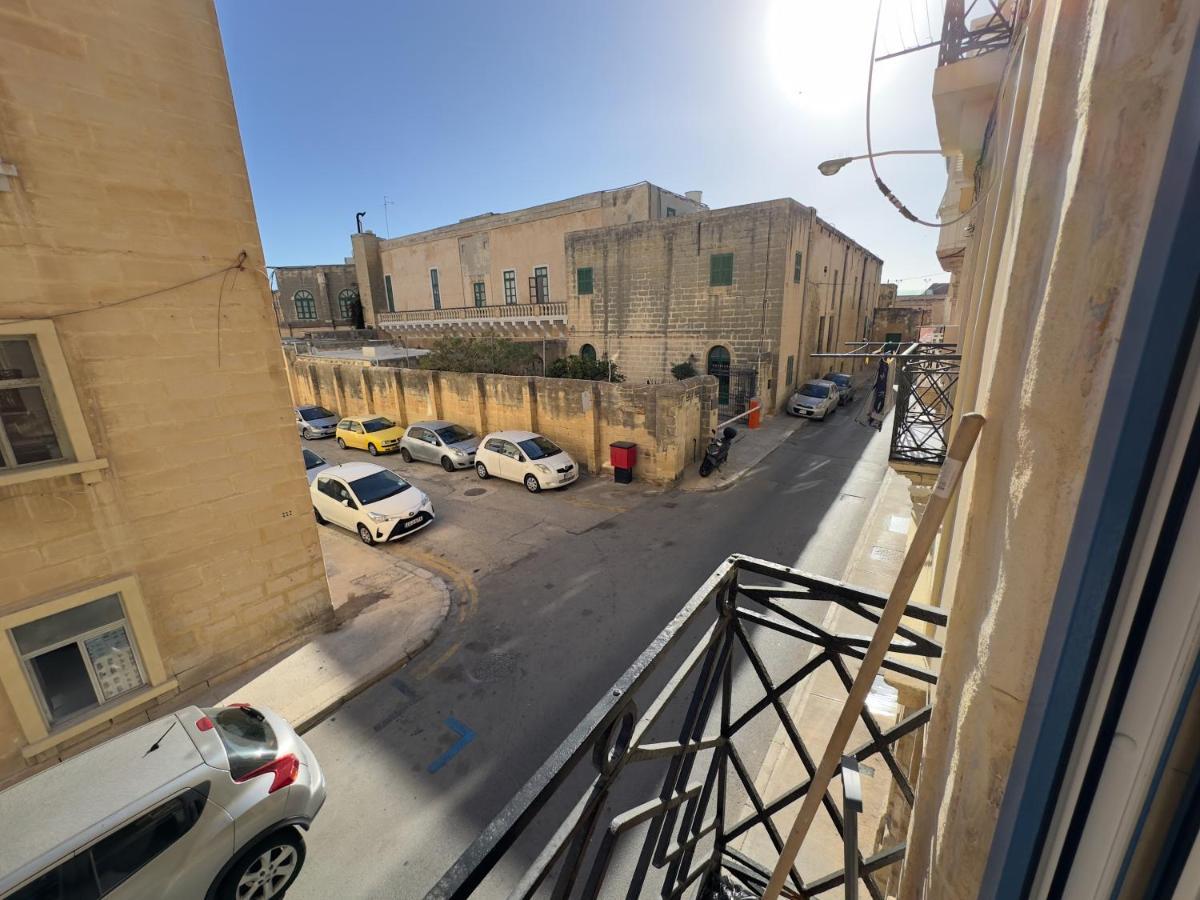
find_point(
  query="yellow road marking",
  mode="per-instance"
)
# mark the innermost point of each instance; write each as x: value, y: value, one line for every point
x: 429, y: 670
x: 460, y: 578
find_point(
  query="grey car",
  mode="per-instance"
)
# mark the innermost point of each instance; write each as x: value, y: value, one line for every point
x: 204, y: 804
x: 315, y: 422
x: 449, y: 445
x: 845, y: 385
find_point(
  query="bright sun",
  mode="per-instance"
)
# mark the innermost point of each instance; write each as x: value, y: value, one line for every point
x: 818, y: 51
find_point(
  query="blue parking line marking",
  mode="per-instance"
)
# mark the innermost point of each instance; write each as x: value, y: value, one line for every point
x: 465, y: 736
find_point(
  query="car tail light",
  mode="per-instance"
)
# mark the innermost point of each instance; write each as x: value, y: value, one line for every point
x: 238, y: 705
x: 204, y: 724
x: 285, y: 769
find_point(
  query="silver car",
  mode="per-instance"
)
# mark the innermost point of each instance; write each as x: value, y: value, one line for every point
x: 204, y: 803
x: 449, y: 445
x: 814, y: 399
x: 315, y: 422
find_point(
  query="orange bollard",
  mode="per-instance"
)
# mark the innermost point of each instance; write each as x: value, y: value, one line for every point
x: 754, y: 420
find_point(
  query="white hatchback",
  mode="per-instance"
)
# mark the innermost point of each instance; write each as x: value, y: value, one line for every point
x: 368, y: 499
x: 534, y: 461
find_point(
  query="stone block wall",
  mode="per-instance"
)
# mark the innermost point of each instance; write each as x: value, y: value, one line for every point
x: 325, y: 283
x: 669, y: 422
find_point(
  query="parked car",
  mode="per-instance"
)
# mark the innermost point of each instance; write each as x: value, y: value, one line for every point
x: 535, y: 461
x: 450, y: 445
x: 313, y: 464
x: 368, y: 499
x: 814, y: 399
x: 375, y: 434
x: 315, y: 422
x: 203, y: 803
x: 845, y: 386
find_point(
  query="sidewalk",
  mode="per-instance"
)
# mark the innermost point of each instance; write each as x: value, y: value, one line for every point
x: 387, y: 610
x: 749, y: 448
x: 816, y: 704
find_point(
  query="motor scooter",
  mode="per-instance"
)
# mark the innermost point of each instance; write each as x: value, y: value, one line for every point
x: 717, y: 452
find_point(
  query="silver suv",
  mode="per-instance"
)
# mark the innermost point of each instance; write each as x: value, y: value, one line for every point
x: 205, y: 803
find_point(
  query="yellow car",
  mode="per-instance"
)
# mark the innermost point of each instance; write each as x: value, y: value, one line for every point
x: 375, y: 434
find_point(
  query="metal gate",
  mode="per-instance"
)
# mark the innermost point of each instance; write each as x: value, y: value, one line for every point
x: 743, y: 385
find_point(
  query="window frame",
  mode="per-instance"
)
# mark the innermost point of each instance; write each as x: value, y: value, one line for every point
x: 387, y: 288
x: 510, y: 296
x: 435, y: 287
x: 579, y: 279
x: 20, y: 685
x: 479, y: 293
x: 345, y: 296
x: 307, y: 298
x: 540, y: 297
x: 79, y: 454
x: 715, y: 260
x: 798, y: 271
x: 42, y: 382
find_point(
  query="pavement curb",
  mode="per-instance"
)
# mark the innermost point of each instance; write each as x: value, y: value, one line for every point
x: 702, y: 487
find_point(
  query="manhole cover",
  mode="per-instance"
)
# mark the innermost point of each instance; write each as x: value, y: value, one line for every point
x: 474, y: 492
x: 494, y: 666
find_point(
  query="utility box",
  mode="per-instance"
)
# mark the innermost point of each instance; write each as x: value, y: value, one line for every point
x: 623, y: 454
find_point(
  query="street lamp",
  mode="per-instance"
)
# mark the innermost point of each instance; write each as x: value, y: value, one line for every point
x: 833, y: 166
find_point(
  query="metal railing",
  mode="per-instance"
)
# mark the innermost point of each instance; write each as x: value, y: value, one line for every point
x: 975, y: 28
x: 672, y: 751
x: 553, y: 310
x: 924, y: 404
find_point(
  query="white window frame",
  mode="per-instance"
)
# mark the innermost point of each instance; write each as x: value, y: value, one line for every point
x: 20, y: 684
x: 79, y: 456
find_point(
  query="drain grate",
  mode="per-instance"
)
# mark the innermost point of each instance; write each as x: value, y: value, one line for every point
x: 474, y: 492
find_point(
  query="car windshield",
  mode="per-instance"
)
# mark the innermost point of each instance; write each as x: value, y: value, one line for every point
x: 373, y: 425
x: 311, y: 460
x: 453, y: 434
x: 248, y: 739
x: 316, y: 412
x: 809, y: 389
x: 538, y: 447
x: 379, y: 486
x: 837, y: 378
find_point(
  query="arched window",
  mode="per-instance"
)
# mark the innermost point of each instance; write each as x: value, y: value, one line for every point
x: 346, y: 301
x: 718, y: 365
x: 306, y: 306
x: 587, y: 351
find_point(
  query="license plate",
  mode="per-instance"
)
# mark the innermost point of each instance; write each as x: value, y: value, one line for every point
x: 413, y: 524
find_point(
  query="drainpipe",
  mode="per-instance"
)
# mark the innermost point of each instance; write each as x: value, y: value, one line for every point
x: 812, y: 221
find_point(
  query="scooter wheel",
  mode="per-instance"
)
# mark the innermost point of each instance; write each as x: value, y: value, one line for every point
x: 706, y: 468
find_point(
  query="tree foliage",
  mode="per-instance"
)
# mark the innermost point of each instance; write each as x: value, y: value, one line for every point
x: 499, y: 356
x: 684, y: 370
x: 584, y: 369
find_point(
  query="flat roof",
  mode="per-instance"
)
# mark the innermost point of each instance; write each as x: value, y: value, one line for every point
x: 53, y: 811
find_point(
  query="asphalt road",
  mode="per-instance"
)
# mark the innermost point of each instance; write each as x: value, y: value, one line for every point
x: 421, y: 762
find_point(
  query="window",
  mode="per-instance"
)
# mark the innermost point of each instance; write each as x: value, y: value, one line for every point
x: 80, y: 658
x: 583, y: 280
x: 480, y: 292
x: 587, y: 351
x: 718, y: 366
x: 796, y: 272
x: 346, y: 301
x: 539, y: 285
x: 29, y: 428
x: 510, y: 287
x: 720, y: 269
x: 126, y: 850
x: 435, y: 288
x: 670, y: 212
x: 248, y: 738
x: 306, y: 306
x: 70, y: 880
x: 391, y: 300
x: 790, y: 366
x: 821, y: 334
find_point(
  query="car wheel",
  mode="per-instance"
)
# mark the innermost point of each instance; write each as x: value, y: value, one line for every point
x: 341, y: 443
x: 446, y: 464
x: 364, y: 534
x: 405, y: 455
x: 306, y: 434
x: 266, y: 870
x: 372, y: 449
x: 532, y: 484
x: 481, y: 470
x: 321, y: 520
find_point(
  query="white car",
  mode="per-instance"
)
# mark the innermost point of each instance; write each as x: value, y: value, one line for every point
x: 535, y: 461
x: 368, y: 499
x: 814, y: 399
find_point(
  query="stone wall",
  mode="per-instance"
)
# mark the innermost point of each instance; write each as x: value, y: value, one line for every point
x: 325, y: 283
x: 670, y: 423
x: 130, y: 182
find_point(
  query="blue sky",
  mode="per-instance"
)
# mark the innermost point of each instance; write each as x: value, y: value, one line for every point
x: 452, y: 109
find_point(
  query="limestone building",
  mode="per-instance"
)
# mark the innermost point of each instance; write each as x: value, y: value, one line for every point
x: 318, y: 298
x: 155, y: 526
x: 747, y: 293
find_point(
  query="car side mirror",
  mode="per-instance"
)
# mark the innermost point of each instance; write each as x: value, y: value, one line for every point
x: 520, y: 458
x: 346, y: 503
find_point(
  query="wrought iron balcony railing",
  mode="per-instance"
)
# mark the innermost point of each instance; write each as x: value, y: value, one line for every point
x: 975, y: 27
x: 924, y: 404
x: 671, y: 794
